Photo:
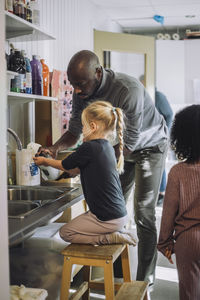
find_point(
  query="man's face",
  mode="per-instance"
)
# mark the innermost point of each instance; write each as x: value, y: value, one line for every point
x: 84, y: 84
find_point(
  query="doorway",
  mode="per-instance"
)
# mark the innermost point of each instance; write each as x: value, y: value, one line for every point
x: 121, y: 47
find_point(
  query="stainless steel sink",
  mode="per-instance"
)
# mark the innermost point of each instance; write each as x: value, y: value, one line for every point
x: 32, y: 194
x: 21, y: 209
x: 23, y: 200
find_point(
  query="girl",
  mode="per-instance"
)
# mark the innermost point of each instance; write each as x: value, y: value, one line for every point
x: 107, y: 215
x: 180, y: 224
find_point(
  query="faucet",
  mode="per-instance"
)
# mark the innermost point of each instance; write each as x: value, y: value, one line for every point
x: 17, y: 139
x: 11, y: 179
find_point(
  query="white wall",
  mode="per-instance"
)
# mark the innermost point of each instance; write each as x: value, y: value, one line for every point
x: 170, y: 70
x: 132, y: 64
x: 72, y: 23
x: 192, y: 67
x: 4, y: 270
x: 177, y: 65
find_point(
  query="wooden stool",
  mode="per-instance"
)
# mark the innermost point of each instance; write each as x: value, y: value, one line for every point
x: 135, y: 290
x: 98, y: 256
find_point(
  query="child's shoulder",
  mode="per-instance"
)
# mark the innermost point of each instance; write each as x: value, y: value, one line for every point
x: 178, y: 167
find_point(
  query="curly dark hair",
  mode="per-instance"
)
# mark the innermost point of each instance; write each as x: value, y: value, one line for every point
x: 185, y: 134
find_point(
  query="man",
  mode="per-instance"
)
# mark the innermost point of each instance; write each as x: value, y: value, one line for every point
x: 165, y: 110
x: 145, y: 142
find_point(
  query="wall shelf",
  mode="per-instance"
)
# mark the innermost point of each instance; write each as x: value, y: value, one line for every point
x: 23, y: 30
x: 24, y: 98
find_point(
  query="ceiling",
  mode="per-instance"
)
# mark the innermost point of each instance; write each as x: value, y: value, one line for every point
x: 137, y: 15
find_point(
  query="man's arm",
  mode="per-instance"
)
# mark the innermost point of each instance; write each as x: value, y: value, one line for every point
x: 65, y: 141
x: 164, y: 108
x: 70, y: 137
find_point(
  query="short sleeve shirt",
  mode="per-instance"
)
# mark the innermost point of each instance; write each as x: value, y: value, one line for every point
x: 99, y: 177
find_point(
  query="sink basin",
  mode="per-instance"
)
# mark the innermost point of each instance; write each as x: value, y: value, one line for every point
x: 23, y: 200
x: 21, y: 209
x: 37, y: 194
x: 32, y: 194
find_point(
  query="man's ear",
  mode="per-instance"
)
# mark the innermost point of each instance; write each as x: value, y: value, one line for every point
x: 93, y: 126
x: 98, y: 73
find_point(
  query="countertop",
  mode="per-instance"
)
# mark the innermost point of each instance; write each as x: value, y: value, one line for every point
x: 19, y: 229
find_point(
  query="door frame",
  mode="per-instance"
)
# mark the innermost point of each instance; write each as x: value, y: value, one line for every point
x: 131, y: 43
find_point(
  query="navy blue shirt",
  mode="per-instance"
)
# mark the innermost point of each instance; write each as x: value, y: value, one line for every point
x: 99, y: 177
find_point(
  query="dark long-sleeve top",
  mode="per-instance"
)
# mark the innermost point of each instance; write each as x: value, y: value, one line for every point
x: 145, y: 127
x: 99, y: 177
x: 164, y: 107
x: 181, y: 207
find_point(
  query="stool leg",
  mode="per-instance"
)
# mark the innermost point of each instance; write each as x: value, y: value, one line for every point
x: 86, y: 277
x: 66, y: 279
x: 109, y: 280
x: 126, y: 265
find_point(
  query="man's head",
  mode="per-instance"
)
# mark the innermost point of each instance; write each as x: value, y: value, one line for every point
x: 84, y: 73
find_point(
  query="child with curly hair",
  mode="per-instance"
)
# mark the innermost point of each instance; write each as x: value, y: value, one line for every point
x: 180, y: 224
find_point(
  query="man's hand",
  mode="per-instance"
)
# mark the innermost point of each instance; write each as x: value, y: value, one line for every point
x: 126, y: 151
x: 52, y: 151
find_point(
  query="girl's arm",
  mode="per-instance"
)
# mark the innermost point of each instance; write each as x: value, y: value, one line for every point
x: 40, y: 160
x: 170, y: 211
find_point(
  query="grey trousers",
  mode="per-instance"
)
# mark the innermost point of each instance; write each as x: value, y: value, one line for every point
x: 144, y: 168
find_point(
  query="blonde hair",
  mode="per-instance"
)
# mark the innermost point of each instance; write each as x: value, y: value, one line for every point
x: 112, y: 120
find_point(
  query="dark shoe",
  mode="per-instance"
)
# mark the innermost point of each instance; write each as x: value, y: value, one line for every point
x: 160, y: 200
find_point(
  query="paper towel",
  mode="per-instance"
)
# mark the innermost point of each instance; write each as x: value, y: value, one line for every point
x: 27, y: 172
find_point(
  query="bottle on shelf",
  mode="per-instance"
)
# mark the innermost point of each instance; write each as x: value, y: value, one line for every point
x: 34, y: 5
x: 28, y: 13
x: 9, y: 5
x: 28, y: 74
x: 18, y: 8
x: 17, y: 64
x: 45, y: 75
x: 36, y: 67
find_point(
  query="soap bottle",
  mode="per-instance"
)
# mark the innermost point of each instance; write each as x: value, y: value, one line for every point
x: 36, y: 67
x: 45, y: 75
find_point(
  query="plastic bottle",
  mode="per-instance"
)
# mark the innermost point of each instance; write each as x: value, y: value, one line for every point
x: 36, y: 67
x: 34, y: 5
x: 45, y: 75
x: 28, y: 75
x: 17, y: 64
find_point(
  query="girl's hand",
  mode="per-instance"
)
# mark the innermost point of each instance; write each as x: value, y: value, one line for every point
x: 168, y: 254
x: 40, y: 160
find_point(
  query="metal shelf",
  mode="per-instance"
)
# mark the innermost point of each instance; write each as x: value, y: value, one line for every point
x: 23, y: 30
